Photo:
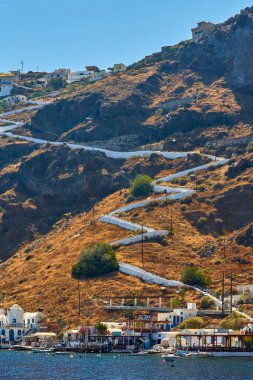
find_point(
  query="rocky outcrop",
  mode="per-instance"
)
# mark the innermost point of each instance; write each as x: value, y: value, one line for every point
x: 48, y: 183
x: 246, y: 237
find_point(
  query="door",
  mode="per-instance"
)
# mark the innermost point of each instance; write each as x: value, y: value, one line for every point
x: 11, y: 336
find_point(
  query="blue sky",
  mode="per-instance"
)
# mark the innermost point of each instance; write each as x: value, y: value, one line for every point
x: 75, y: 33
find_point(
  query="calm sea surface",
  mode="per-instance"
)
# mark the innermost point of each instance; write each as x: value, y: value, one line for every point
x: 30, y: 366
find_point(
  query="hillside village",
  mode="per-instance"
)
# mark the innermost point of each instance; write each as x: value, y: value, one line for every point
x: 191, y: 223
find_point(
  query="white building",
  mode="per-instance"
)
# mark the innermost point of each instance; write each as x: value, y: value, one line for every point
x: 15, y: 323
x: 202, y: 30
x: 91, y: 76
x: 6, y: 87
x: 15, y: 99
x: 245, y: 289
x: 178, y: 315
x: 79, y: 75
x: 60, y: 73
x: 119, y: 67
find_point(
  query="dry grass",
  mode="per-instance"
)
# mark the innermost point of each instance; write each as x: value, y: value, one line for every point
x: 40, y: 274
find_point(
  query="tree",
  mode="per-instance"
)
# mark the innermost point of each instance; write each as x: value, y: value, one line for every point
x: 206, y: 303
x: 101, y: 327
x: 57, y: 83
x: 97, y: 260
x: 195, y: 276
x: 142, y: 185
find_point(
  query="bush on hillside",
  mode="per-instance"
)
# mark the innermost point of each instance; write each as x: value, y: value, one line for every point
x: 250, y: 147
x: 57, y: 83
x: 142, y: 185
x: 192, y: 323
x: 97, y: 260
x: 195, y: 276
x: 206, y: 303
x: 234, y: 321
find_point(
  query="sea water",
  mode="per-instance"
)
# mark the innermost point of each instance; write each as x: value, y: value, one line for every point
x: 31, y: 366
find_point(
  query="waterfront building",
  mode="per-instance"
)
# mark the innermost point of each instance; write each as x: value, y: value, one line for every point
x: 15, y: 323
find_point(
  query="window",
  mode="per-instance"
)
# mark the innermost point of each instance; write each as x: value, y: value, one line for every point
x: 33, y: 320
x: 28, y: 321
x: 14, y: 321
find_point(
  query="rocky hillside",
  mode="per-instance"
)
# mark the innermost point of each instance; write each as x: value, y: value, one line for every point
x: 186, y: 97
x: 203, y: 90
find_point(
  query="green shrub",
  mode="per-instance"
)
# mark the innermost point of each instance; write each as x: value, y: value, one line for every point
x: 195, y: 276
x: 201, y: 189
x: 97, y: 260
x: 175, y: 303
x: 206, y: 303
x: 130, y: 198
x: 151, y: 205
x: 244, y: 298
x: 218, y: 186
x: 250, y: 147
x: 186, y: 200
x: 234, y: 321
x: 159, y: 112
x: 57, y: 83
x: 192, y: 323
x: 142, y: 185
x: 180, y: 181
x: 202, y: 221
x: 101, y: 327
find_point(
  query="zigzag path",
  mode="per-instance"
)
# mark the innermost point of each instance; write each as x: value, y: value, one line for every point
x: 172, y: 193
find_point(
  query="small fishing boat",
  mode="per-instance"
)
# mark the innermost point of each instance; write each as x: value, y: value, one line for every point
x: 40, y: 351
x: 198, y: 354
x: 170, y: 357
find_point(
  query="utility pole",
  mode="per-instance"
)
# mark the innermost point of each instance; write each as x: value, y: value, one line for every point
x: 142, y: 247
x: 22, y: 66
x: 223, y: 280
x: 79, y: 303
x: 231, y: 292
x: 171, y: 221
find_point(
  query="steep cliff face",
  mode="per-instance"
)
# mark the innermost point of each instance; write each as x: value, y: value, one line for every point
x: 46, y: 184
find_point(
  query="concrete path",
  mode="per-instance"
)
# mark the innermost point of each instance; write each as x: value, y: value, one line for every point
x: 173, y: 193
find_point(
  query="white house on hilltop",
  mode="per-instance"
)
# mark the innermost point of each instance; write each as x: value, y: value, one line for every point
x: 15, y: 323
x: 5, y: 88
x: 202, y: 30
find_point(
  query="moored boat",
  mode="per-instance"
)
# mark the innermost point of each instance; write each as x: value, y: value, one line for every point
x: 170, y: 357
x: 199, y: 354
x: 139, y: 353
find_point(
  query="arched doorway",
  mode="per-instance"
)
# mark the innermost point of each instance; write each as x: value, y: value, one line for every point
x: 11, y: 336
x: 2, y: 336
